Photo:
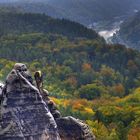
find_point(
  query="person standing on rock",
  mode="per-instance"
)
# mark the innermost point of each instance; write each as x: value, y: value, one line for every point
x: 45, y: 94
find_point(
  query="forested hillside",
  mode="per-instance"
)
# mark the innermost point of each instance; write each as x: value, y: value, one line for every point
x: 87, y: 78
x: 30, y: 23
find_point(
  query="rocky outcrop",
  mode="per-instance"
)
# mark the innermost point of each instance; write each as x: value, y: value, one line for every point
x: 73, y: 129
x: 26, y: 116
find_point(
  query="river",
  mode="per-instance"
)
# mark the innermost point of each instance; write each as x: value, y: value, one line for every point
x: 107, y: 30
x: 108, y: 34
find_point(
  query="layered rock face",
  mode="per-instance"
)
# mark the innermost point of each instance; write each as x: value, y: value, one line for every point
x: 26, y: 116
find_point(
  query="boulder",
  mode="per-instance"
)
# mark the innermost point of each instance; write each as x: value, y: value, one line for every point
x: 73, y: 129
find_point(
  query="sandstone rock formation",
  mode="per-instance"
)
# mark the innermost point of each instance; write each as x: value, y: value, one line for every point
x: 70, y: 128
x: 26, y: 116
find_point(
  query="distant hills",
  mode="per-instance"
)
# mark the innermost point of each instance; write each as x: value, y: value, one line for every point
x: 85, y: 12
x: 129, y: 33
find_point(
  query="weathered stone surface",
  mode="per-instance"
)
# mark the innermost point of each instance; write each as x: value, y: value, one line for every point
x: 25, y: 115
x: 73, y: 129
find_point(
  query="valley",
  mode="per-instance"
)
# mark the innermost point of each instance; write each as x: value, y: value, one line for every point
x: 109, y: 28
